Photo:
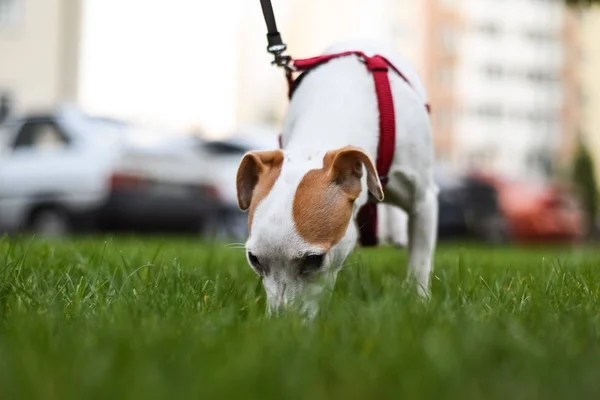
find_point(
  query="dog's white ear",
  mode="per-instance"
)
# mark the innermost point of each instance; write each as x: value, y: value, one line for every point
x: 257, y: 167
x: 346, y: 169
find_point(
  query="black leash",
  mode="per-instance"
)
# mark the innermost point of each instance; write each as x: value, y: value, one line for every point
x: 275, y: 44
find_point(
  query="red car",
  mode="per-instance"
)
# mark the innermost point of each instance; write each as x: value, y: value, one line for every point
x: 537, y: 212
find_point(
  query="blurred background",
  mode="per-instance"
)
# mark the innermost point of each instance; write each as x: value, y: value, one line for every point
x: 128, y: 115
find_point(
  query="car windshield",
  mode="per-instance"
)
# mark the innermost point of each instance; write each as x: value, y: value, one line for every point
x: 108, y: 129
x: 80, y: 123
x: 226, y: 148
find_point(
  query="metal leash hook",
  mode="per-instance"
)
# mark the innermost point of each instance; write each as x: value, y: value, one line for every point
x: 276, y: 46
x: 277, y: 50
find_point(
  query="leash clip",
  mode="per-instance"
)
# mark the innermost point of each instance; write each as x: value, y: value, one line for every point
x: 284, y: 61
x: 280, y: 59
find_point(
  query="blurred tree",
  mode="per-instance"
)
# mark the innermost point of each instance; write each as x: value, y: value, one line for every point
x: 584, y: 178
x: 582, y: 2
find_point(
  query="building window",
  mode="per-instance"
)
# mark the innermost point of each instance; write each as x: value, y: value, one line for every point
x: 540, y: 76
x: 540, y: 35
x: 10, y: 12
x: 489, y: 111
x: 494, y: 71
x: 542, y: 119
x: 489, y: 29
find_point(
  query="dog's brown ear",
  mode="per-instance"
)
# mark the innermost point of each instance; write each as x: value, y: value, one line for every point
x: 257, y: 167
x: 346, y: 169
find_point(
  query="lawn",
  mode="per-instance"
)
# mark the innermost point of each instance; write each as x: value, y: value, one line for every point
x: 103, y: 318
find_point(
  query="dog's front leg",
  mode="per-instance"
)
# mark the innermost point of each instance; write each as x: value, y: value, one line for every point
x: 422, y: 227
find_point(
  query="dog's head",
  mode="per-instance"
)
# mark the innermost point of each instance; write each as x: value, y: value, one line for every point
x: 300, y: 219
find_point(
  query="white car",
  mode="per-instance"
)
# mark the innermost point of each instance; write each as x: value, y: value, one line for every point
x: 224, y: 157
x: 68, y: 171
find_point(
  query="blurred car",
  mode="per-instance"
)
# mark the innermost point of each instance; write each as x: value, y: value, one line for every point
x: 66, y: 171
x: 469, y: 208
x: 224, y: 157
x: 539, y: 212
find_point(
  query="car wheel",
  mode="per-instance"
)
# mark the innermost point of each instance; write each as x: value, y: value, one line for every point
x: 50, y: 222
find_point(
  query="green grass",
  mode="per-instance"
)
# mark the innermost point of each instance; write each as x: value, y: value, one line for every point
x: 177, y: 318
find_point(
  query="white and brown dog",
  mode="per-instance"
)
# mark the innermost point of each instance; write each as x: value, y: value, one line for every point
x: 303, y: 200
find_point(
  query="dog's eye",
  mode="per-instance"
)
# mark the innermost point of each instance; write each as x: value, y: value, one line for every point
x: 311, y: 262
x: 253, y: 260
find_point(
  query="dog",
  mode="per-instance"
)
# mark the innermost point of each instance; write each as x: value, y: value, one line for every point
x: 302, y: 201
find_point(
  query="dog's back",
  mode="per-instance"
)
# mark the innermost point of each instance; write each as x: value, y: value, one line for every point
x: 371, y: 47
x: 336, y: 105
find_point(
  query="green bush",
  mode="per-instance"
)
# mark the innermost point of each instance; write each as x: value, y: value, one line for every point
x: 584, y: 178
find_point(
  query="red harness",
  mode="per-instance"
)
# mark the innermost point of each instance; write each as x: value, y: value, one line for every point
x: 379, y: 67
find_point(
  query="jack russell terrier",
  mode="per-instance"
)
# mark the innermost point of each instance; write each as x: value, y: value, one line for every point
x: 302, y: 201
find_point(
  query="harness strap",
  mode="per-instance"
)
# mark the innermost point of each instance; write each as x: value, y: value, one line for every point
x: 379, y: 67
x: 309, y: 63
x: 387, y: 121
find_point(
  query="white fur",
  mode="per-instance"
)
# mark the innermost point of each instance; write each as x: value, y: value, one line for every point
x: 392, y: 225
x: 336, y: 106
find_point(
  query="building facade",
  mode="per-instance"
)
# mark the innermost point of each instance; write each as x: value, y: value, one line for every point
x: 590, y: 82
x: 503, y: 81
x: 39, y: 51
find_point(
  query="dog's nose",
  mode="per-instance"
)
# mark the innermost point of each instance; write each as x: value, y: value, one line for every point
x: 280, y: 302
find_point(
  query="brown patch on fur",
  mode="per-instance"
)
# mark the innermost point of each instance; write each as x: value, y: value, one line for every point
x: 256, y: 176
x: 324, y: 198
